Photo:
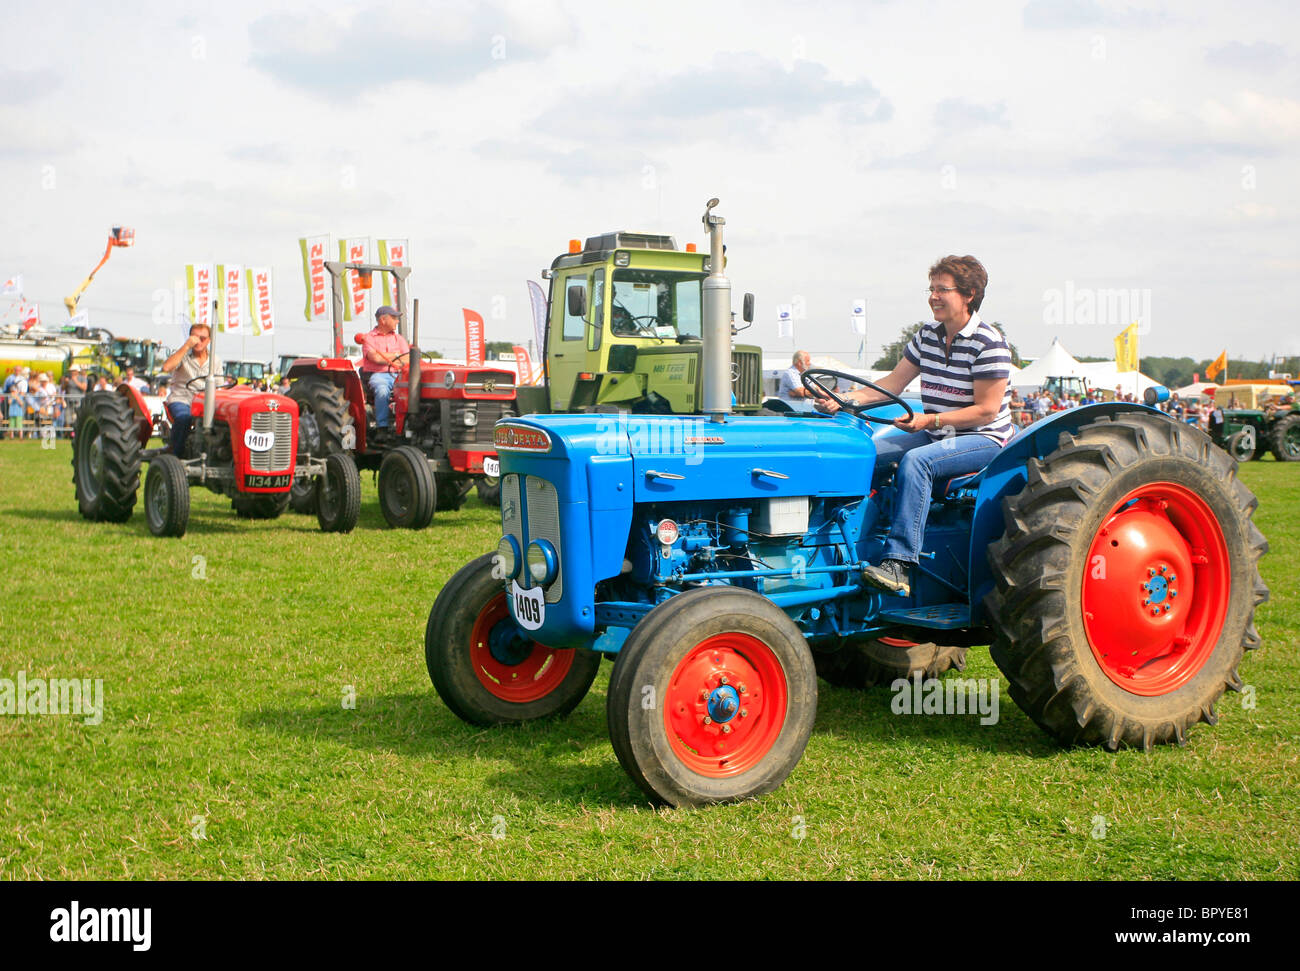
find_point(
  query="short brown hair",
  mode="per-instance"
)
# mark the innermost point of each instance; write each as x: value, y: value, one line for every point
x: 969, y: 275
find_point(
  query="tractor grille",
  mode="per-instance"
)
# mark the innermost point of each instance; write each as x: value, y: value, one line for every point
x: 512, y: 523
x: 544, y: 523
x: 543, y: 520
x: 480, y: 433
x: 280, y: 455
x: 748, y: 371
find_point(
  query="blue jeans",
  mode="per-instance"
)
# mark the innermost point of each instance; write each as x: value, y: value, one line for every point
x: 920, y: 462
x: 381, y: 383
x: 179, y: 411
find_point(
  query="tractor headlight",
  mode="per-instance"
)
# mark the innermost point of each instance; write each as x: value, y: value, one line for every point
x: 469, y: 417
x: 507, y: 559
x: 543, y: 564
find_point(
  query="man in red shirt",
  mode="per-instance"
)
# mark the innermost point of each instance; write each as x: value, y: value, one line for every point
x: 382, y: 350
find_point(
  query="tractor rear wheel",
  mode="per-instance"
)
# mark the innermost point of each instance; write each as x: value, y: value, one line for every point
x: 1286, y: 439
x: 260, y: 505
x: 167, y: 496
x: 869, y: 661
x: 407, y: 491
x: 487, y: 670
x: 1126, y: 583
x: 489, y: 489
x: 325, y: 425
x: 338, y: 494
x: 712, y: 698
x: 106, y: 458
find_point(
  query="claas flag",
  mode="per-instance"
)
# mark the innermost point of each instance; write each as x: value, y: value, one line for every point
x: 1126, y: 348
x: 1217, y: 368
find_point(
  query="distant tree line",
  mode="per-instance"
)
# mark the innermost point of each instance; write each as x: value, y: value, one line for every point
x: 1176, y: 372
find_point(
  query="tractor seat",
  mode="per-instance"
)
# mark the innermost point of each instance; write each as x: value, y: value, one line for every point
x: 946, y: 487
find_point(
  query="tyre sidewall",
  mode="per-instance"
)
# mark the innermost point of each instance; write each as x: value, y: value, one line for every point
x: 653, y: 657
x: 1219, y: 667
x: 447, y: 641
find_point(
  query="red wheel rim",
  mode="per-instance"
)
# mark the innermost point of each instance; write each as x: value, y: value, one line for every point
x: 726, y: 667
x: 539, y: 672
x: 1156, y: 588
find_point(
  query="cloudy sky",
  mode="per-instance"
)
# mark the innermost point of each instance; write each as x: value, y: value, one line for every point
x: 1105, y: 160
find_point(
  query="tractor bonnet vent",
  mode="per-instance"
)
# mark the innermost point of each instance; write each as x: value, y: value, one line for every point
x: 612, y: 241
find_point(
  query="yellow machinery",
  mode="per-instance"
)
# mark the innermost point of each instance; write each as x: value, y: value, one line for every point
x: 118, y: 236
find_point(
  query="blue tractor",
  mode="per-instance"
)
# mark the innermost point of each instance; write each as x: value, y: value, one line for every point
x: 1107, y: 554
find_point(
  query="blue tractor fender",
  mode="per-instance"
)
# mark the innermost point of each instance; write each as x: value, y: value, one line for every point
x: 1007, y: 474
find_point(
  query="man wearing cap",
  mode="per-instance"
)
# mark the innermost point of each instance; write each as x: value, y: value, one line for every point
x: 382, y: 352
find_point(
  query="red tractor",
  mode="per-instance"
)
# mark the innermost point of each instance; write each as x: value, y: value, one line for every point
x: 245, y: 445
x: 440, y: 450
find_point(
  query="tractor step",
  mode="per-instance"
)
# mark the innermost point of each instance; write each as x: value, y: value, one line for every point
x: 940, y: 617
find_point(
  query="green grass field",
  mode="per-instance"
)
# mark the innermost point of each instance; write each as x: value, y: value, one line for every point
x: 226, y: 750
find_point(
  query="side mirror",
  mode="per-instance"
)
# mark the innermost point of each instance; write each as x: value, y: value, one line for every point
x: 577, y: 300
x: 748, y: 312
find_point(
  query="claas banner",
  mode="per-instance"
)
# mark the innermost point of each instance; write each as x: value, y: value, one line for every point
x: 315, y: 249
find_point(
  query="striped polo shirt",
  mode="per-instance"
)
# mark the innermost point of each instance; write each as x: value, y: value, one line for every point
x: 947, y: 382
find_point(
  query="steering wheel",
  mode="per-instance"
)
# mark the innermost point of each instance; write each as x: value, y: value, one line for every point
x: 199, y: 381
x: 644, y: 324
x: 816, y: 388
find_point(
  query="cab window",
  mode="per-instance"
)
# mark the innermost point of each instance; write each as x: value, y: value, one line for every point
x: 574, y: 327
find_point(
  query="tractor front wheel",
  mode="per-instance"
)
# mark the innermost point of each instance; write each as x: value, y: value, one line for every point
x: 338, y: 494
x: 712, y: 698
x: 1126, y: 583
x: 487, y: 670
x: 106, y: 457
x: 167, y: 496
x: 1242, y: 447
x: 407, y: 491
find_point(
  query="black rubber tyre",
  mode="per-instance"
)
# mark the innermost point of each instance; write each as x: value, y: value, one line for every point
x: 1239, y: 449
x: 522, y: 681
x: 1143, y: 489
x: 489, y: 489
x: 451, y: 492
x: 338, y: 494
x: 166, y: 496
x: 869, y: 661
x: 673, y: 663
x: 407, y: 491
x: 1286, y: 439
x: 324, y: 418
x: 106, y: 457
x: 260, y: 505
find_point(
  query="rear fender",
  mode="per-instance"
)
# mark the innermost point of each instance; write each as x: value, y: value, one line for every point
x: 342, y: 371
x: 144, y: 420
x: 1006, y: 476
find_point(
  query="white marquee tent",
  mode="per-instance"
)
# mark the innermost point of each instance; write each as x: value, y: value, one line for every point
x: 1060, y: 363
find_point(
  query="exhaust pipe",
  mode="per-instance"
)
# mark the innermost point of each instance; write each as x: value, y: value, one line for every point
x: 715, y: 362
x: 210, y: 385
x: 414, y: 373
